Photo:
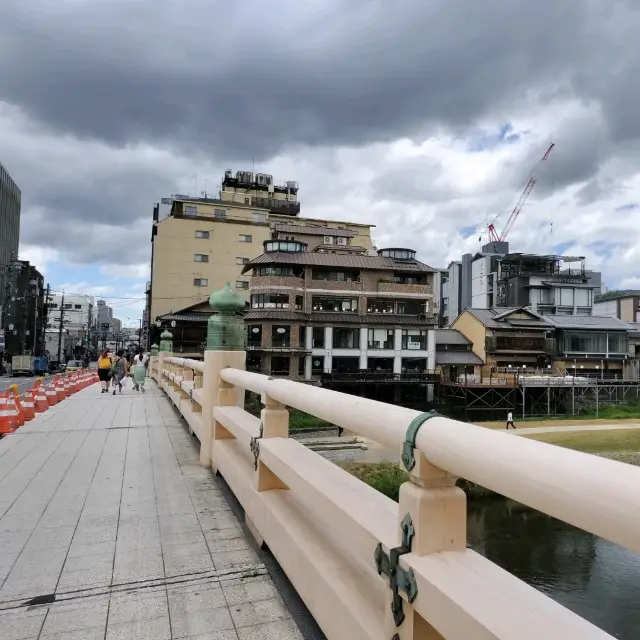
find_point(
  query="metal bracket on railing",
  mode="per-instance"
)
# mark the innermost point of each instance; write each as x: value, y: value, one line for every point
x: 255, y: 447
x: 408, y: 459
x: 399, y: 578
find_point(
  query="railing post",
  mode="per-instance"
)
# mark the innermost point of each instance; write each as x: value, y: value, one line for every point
x: 225, y: 348
x: 274, y: 423
x: 438, y: 512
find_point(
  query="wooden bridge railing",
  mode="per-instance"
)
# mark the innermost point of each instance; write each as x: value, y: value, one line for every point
x: 366, y: 567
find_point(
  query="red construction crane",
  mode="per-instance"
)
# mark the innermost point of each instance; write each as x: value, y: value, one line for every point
x: 493, y: 234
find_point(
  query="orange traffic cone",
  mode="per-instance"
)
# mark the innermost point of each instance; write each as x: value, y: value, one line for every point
x: 41, y: 404
x: 60, y: 392
x: 28, y: 406
x: 5, y: 420
x: 16, y: 419
x: 52, y: 396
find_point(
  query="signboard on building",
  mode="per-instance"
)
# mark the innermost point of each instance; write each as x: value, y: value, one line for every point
x: 413, y: 345
x: 1, y: 340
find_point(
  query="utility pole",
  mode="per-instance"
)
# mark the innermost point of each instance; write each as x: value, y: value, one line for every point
x: 89, y: 324
x: 60, y: 327
x: 45, y: 317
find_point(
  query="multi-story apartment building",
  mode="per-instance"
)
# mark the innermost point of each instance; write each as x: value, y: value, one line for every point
x: 10, y: 203
x: 496, y: 278
x: 331, y: 308
x: 204, y: 242
x: 76, y: 310
x: 23, y: 317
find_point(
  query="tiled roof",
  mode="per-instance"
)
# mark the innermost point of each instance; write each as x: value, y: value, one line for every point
x: 377, y: 263
x: 486, y: 316
x: 450, y: 336
x: 353, y: 318
x: 187, y: 317
x: 313, y: 230
x: 588, y: 322
x: 276, y: 314
x: 457, y: 357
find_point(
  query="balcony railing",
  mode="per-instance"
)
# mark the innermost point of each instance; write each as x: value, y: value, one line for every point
x: 367, y: 567
x: 394, y: 287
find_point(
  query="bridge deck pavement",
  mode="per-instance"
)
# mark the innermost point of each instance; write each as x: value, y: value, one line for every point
x: 110, y: 530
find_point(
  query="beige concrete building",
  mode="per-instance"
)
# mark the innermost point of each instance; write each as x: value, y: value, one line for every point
x: 205, y: 242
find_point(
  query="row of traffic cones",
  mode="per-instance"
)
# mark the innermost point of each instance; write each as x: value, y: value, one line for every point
x: 15, y: 410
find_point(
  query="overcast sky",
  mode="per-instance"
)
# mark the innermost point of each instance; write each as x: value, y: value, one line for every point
x: 422, y: 117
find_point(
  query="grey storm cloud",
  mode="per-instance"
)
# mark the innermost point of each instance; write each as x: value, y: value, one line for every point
x: 238, y: 80
x: 220, y: 84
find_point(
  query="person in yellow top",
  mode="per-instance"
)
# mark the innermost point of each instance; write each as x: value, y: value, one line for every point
x: 104, y: 371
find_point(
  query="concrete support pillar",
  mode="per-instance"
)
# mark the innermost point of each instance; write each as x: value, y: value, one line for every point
x: 308, y: 344
x: 328, y: 346
x: 364, y: 343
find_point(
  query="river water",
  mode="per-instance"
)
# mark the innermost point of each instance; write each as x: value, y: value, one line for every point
x: 596, y: 579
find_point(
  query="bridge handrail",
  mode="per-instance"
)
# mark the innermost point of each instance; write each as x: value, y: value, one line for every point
x: 589, y: 492
x: 196, y: 365
x: 331, y: 532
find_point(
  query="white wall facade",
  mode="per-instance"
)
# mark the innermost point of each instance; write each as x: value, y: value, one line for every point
x: 78, y: 310
x: 363, y: 353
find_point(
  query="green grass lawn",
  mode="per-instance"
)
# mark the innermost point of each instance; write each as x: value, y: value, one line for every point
x: 302, y: 420
x: 607, y: 441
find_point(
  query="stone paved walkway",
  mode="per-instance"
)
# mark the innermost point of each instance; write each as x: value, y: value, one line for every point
x: 110, y: 530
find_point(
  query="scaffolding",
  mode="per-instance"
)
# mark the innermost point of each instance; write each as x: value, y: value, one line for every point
x: 553, y: 397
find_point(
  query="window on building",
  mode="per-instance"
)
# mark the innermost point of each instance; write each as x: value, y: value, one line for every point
x: 302, y: 336
x: 281, y: 336
x: 254, y: 335
x: 270, y: 301
x: 335, y: 276
x: 53, y: 305
x: 190, y: 210
x: 376, y: 305
x: 299, y: 302
x: 273, y: 271
x: 618, y: 343
x: 77, y: 306
x: 200, y: 282
x: 318, y: 338
x: 411, y: 307
x: 401, y: 278
x: 68, y: 306
x: 220, y: 214
x: 242, y: 284
x: 242, y: 260
x: 317, y: 365
x: 280, y: 365
x: 585, y: 341
x: 201, y: 257
x: 380, y: 339
x: 245, y: 238
x: 414, y: 339
x: 346, y: 338
x: 259, y: 217
x: 204, y: 235
x: 347, y: 305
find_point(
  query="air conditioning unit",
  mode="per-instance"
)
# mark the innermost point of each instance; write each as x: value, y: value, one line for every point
x: 292, y: 184
x: 261, y: 178
x: 341, y: 241
x: 228, y: 174
x: 246, y: 177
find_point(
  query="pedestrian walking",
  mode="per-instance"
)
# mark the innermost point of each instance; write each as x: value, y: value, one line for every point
x: 139, y: 370
x: 119, y: 370
x: 104, y: 371
x: 510, y: 421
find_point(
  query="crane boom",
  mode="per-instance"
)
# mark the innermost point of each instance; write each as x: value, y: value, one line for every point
x: 493, y: 234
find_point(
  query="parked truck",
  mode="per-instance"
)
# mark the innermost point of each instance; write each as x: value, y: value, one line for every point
x: 29, y: 365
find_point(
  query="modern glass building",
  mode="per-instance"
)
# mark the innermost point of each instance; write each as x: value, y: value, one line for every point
x: 9, y: 217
